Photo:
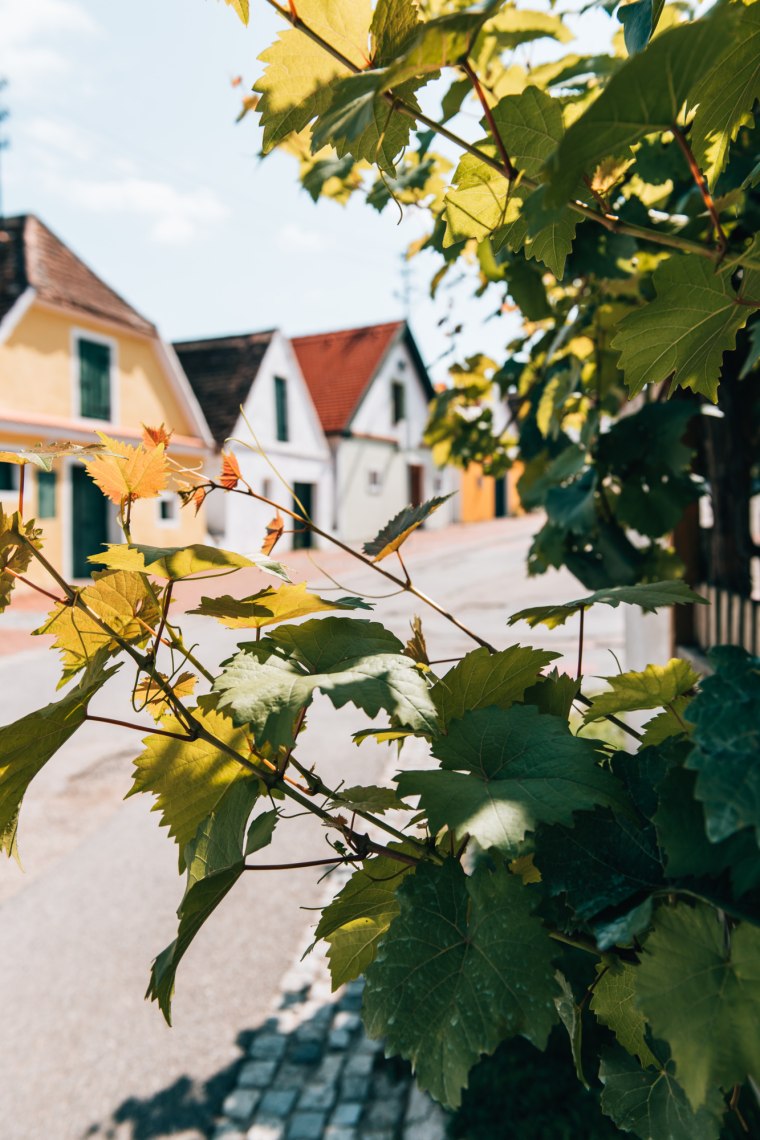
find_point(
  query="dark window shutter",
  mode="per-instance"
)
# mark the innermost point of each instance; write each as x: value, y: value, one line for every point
x: 281, y: 408
x: 46, y: 486
x: 94, y: 380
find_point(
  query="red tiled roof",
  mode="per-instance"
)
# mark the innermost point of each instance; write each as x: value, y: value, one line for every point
x: 31, y: 255
x: 339, y: 366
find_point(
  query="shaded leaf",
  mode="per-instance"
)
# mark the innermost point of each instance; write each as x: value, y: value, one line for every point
x: 154, y: 698
x: 175, y: 562
x: 503, y: 772
x: 271, y: 606
x: 651, y: 596
x: 553, y: 694
x: 268, y: 684
x: 15, y: 555
x: 261, y: 831
x: 482, y: 679
x: 571, y: 1017
x: 651, y: 1103
x: 372, y: 799
x: 400, y: 527
x: 464, y: 965
x: 653, y: 688
x: 42, y: 455
x: 415, y: 646
x: 614, y: 1004
x: 639, y: 20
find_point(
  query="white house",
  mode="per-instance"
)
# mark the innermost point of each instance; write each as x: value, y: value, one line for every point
x: 283, y: 454
x: 371, y: 390
x: 338, y: 420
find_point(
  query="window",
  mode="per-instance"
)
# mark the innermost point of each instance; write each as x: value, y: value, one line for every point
x: 94, y: 380
x: 398, y: 398
x: 167, y: 509
x: 266, y: 488
x: 46, y: 488
x: 374, y: 482
x: 281, y: 408
x: 8, y: 476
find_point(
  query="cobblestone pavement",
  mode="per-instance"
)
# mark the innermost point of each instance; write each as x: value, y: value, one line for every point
x: 312, y: 1074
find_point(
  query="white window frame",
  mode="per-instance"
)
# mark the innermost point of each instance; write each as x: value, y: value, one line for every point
x: 374, y: 482
x: 77, y: 335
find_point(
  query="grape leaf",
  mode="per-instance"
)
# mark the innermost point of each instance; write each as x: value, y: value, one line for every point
x: 121, y: 600
x: 372, y: 798
x: 655, y: 687
x: 261, y: 831
x: 359, y: 915
x: 639, y: 20
x: 271, y: 606
x: 464, y: 965
x: 512, y: 26
x: 214, y: 860
x: 396, y: 532
x: 482, y: 678
x: 42, y: 455
x: 645, y: 95
x: 683, y: 334
x: 15, y: 555
x: 651, y: 1103
x: 571, y: 1016
x: 124, y: 473
x: 727, y: 93
x: 9, y: 837
x: 651, y: 596
x: 270, y: 681
x: 393, y: 24
x: 28, y: 743
x: 444, y: 41
x: 477, y: 202
x: 702, y: 997
x: 503, y: 772
x: 242, y: 7
x: 189, y: 777
x: 297, y: 83
x: 553, y: 694
x: 175, y: 562
x: 614, y: 1004
x: 726, y: 754
x: 155, y: 699
x: 361, y: 122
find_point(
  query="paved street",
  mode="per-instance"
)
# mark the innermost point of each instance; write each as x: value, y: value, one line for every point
x: 84, y: 1053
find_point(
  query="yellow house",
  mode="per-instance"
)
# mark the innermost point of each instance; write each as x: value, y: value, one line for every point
x: 483, y: 497
x: 76, y: 358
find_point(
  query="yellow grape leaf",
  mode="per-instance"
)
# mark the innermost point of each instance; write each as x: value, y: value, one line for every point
x: 126, y: 473
x: 15, y: 555
x: 273, y: 534
x: 189, y: 777
x: 271, y: 606
x: 400, y: 527
x: 154, y: 699
x: 43, y: 454
x: 242, y: 7
x: 175, y: 562
x: 120, y: 599
x: 230, y: 471
x: 153, y: 436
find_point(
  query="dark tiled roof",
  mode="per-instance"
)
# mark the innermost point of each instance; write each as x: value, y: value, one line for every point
x: 221, y: 371
x: 31, y: 255
x: 339, y: 366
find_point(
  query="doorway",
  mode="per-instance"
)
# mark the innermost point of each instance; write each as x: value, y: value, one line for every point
x: 416, y: 484
x: 303, y: 538
x: 89, y: 522
x: 501, y: 507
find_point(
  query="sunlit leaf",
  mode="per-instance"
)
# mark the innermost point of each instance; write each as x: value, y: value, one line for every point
x: 655, y: 687
x: 175, y: 562
x: 271, y: 606
x: 124, y: 473
x: 396, y: 532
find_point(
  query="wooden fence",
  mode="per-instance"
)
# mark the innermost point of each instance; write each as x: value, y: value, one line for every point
x: 730, y: 619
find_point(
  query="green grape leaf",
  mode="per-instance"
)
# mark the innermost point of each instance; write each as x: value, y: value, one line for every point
x: 396, y: 532
x: 189, y: 777
x: 271, y: 681
x: 464, y: 965
x: 571, y: 1016
x: 15, y: 556
x: 119, y: 598
x: 614, y: 1005
x: 531, y: 126
x: 503, y: 772
x: 444, y: 41
x: 726, y: 754
x: 553, y: 694
x: 477, y: 203
x: 176, y: 562
x: 214, y: 860
x: 513, y: 26
x: 271, y: 606
x: 362, y: 122
x: 702, y: 997
x: 727, y: 92
x: 261, y: 831
x: 645, y: 95
x: 683, y: 334
x: 28, y: 743
x: 639, y: 20
x: 655, y: 687
x: 393, y: 24
x: 359, y: 915
x: 369, y: 798
x: 384, y: 735
x: 482, y: 678
x: 651, y: 1103
x: 623, y: 929
x: 297, y: 83
x: 601, y: 861
x: 573, y: 506
x: 9, y: 837
x: 651, y: 596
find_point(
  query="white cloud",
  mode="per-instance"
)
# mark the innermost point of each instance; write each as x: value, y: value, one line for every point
x: 57, y: 135
x: 32, y: 48
x: 176, y: 217
x: 296, y: 239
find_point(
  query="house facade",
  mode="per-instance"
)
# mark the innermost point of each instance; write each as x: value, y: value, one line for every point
x: 258, y: 407
x: 333, y: 422
x: 76, y: 358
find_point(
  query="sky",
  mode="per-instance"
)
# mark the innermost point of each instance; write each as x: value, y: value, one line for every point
x: 123, y: 140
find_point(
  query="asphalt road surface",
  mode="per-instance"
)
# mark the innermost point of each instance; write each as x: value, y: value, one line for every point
x: 83, y: 1053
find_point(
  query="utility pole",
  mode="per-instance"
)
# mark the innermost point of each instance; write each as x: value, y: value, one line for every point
x: 4, y: 141
x: 404, y: 294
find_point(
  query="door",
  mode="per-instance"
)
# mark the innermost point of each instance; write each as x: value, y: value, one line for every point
x: 416, y: 484
x: 89, y: 521
x: 304, y: 495
x: 500, y: 497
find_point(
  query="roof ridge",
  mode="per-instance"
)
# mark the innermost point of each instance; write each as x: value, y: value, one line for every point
x: 381, y: 325
x: 227, y: 338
